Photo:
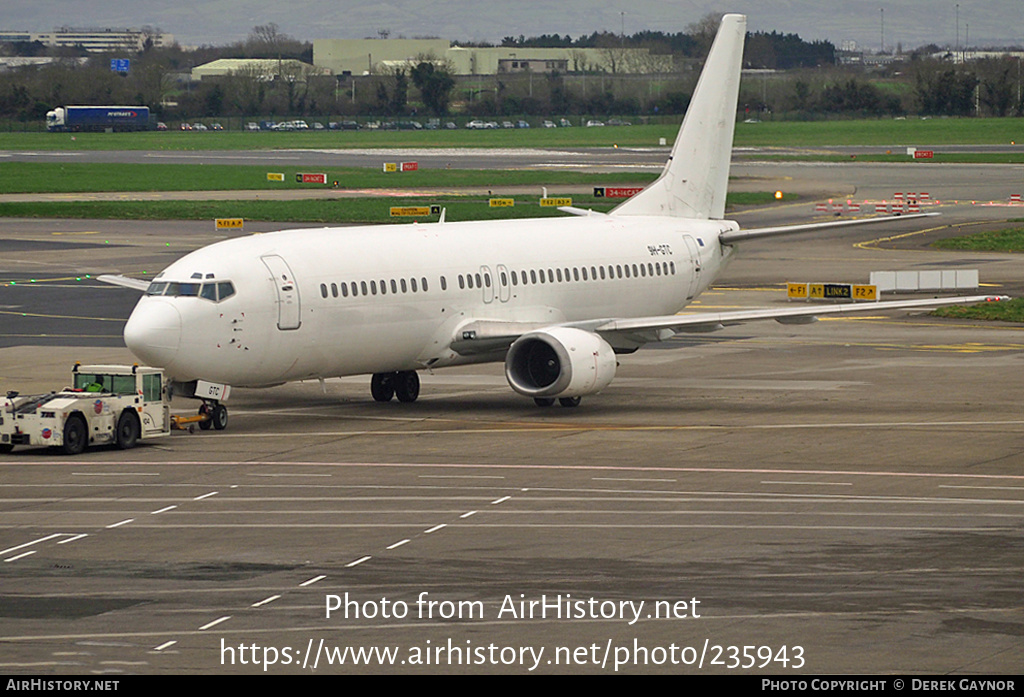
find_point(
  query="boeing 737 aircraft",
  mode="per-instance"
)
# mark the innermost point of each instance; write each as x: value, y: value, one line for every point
x: 556, y: 299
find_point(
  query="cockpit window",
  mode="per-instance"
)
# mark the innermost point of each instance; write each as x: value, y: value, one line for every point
x: 213, y: 291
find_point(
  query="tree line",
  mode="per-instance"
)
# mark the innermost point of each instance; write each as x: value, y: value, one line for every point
x: 809, y: 85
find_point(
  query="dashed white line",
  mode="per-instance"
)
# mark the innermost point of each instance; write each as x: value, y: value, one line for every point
x: 467, y: 514
x: 72, y: 539
x: 266, y: 600
x: 360, y: 560
x: 117, y: 525
x: 217, y: 621
x: 311, y: 581
x: 503, y: 499
x: 165, y: 645
x: 206, y: 496
x: 398, y: 544
x: 810, y: 483
x: 29, y: 544
x: 624, y: 479
x: 164, y: 510
x: 21, y: 556
x: 435, y: 528
x: 115, y: 474
x: 460, y: 476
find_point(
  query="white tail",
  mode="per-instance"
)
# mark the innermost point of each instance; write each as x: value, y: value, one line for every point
x: 694, y: 181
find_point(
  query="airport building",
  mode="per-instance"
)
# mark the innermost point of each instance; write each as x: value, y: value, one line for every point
x: 373, y: 56
x: 259, y: 68
x: 92, y: 40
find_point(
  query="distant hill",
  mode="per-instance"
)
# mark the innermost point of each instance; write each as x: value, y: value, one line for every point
x: 908, y: 22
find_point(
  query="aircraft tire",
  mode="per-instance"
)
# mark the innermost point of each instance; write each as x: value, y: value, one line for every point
x: 128, y: 430
x: 382, y: 386
x: 569, y: 401
x: 407, y: 386
x: 6, y: 448
x: 544, y: 401
x: 219, y: 416
x: 76, y: 435
x: 208, y: 423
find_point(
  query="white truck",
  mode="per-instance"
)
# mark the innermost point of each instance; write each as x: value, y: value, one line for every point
x: 105, y: 404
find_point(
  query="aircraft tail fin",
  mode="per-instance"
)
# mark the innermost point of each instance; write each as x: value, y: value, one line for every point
x: 694, y: 181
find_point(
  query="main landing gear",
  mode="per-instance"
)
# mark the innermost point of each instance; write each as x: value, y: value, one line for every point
x: 563, y: 401
x: 404, y: 384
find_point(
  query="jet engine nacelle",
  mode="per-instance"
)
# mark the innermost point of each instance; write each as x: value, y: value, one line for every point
x: 559, y: 362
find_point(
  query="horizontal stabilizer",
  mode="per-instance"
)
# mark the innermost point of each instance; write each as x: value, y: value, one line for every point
x: 124, y: 281
x: 585, y: 212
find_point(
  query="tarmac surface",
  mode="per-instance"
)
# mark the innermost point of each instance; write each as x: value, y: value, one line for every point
x: 846, y: 497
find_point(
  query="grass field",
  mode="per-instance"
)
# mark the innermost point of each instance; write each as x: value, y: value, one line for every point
x: 327, y: 211
x: 46, y: 177
x: 1007, y: 311
x: 881, y: 132
x: 1005, y: 240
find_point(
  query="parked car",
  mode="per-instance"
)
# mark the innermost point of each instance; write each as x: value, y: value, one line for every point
x: 549, y: 124
x: 252, y: 126
x: 199, y: 127
x: 161, y: 126
x: 185, y: 126
x: 619, y: 122
x: 522, y: 124
x: 476, y: 124
x: 216, y: 127
x: 564, y: 123
x: 594, y: 122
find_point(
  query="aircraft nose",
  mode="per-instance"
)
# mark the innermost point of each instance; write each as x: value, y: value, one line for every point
x: 153, y: 333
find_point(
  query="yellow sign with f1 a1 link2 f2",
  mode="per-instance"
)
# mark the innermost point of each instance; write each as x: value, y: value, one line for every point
x: 831, y: 291
x: 555, y: 202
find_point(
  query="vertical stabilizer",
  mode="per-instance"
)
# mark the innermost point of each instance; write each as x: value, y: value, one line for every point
x: 694, y: 181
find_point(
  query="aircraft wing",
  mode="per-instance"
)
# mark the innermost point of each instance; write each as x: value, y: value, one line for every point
x: 486, y: 336
x: 711, y: 321
x: 123, y: 281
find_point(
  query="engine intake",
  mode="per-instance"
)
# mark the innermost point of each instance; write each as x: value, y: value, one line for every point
x: 559, y: 362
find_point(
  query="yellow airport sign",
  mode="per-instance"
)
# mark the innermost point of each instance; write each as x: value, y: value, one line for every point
x: 555, y: 202
x: 831, y: 291
x: 502, y: 202
x: 390, y: 166
x: 228, y: 223
x: 399, y: 211
x: 275, y: 176
x: 865, y: 292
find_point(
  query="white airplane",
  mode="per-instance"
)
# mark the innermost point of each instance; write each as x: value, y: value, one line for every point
x: 556, y: 299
